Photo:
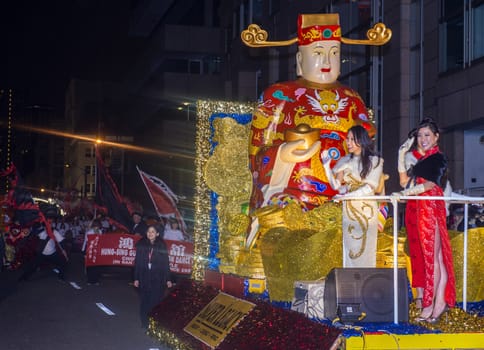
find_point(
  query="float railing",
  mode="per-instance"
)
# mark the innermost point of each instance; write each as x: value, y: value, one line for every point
x: 395, y: 199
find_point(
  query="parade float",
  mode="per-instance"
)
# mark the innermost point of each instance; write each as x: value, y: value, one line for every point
x: 266, y: 229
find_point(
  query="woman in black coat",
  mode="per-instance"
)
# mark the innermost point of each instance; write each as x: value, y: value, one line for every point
x: 151, y: 272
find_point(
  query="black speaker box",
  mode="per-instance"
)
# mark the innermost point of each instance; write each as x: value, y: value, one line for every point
x: 365, y: 290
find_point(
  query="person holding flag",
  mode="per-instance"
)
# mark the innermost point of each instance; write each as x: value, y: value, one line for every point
x: 28, y: 214
x: 51, y: 251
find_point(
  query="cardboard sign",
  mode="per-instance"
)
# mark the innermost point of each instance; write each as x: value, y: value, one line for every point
x: 119, y: 249
x: 218, y: 318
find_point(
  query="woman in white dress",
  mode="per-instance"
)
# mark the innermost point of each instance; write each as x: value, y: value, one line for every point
x: 357, y: 175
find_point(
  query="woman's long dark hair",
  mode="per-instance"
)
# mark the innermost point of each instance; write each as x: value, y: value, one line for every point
x: 363, y: 140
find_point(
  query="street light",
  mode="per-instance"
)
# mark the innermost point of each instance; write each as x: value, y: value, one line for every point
x: 187, y: 106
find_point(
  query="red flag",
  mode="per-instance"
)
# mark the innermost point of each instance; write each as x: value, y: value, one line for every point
x: 163, y: 198
x: 108, y: 198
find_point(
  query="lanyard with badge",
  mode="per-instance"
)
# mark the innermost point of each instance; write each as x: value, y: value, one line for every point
x: 150, y: 254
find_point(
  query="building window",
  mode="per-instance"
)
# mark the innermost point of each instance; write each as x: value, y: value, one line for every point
x: 89, y: 152
x: 175, y: 65
x: 205, y: 65
x: 274, y: 7
x: 212, y: 65
x: 355, y: 59
x: 477, y: 30
x: 195, y: 67
x: 451, y: 30
x: 246, y: 10
x: 460, y: 33
x: 241, y: 17
x: 235, y: 26
x: 416, y: 63
x: 258, y: 10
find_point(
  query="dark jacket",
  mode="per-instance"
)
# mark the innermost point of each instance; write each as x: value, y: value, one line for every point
x: 140, y: 229
x: 432, y: 168
x: 153, y: 279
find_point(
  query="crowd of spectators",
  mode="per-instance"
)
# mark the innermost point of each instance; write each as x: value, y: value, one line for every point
x: 18, y: 244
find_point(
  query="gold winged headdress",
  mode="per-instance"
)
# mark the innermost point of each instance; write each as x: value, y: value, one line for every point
x: 316, y: 27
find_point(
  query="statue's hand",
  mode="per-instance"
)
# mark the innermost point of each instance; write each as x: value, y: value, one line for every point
x: 291, y: 154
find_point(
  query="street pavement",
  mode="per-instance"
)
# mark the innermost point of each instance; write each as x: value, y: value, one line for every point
x: 44, y: 313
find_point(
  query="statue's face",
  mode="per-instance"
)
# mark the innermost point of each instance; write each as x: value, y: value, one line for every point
x: 319, y: 62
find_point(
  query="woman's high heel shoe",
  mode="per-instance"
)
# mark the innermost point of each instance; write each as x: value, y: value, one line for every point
x: 427, y: 310
x: 435, y: 319
x: 421, y: 319
x: 418, y: 303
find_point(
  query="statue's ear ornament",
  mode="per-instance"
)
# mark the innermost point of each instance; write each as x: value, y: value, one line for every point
x: 378, y: 35
x: 255, y: 36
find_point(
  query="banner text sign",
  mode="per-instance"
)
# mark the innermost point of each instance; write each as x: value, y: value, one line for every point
x: 118, y: 249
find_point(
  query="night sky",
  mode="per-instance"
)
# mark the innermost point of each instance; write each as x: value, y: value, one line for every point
x: 45, y: 43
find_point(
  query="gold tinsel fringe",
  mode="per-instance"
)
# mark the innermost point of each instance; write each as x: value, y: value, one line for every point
x: 163, y: 336
x: 454, y: 320
x: 205, y: 109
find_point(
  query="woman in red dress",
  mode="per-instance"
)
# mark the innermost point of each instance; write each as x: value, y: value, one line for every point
x: 429, y: 243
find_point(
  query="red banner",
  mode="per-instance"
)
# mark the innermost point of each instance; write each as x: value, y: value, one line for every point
x: 119, y: 249
x: 180, y: 254
x: 116, y: 249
